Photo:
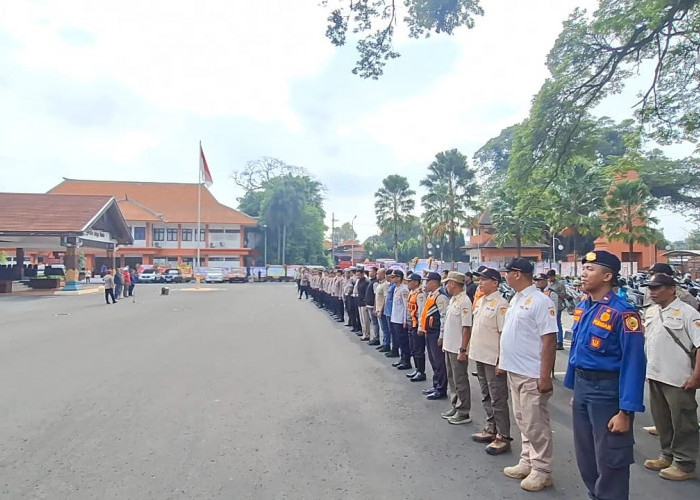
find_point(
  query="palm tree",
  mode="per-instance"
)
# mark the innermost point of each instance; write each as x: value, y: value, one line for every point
x: 283, y: 208
x: 393, y: 205
x: 514, y: 218
x: 627, y: 215
x: 452, y: 191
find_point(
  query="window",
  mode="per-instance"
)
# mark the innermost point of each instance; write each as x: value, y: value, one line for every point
x: 201, y: 235
x: 172, y: 234
x: 158, y: 234
x: 186, y: 235
x: 139, y: 233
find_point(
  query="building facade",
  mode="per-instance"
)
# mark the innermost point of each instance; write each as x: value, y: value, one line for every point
x: 162, y: 218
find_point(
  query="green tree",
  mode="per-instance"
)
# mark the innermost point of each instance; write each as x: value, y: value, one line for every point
x: 345, y: 232
x: 693, y: 239
x: 514, y: 219
x: 375, y: 21
x: 451, y: 194
x: 393, y: 205
x: 627, y: 215
x: 493, y: 158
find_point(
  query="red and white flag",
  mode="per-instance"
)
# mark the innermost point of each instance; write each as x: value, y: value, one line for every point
x: 204, y: 174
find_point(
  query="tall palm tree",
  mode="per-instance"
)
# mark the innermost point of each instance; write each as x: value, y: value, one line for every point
x: 393, y: 204
x: 452, y: 192
x: 515, y: 219
x: 283, y: 208
x: 627, y: 215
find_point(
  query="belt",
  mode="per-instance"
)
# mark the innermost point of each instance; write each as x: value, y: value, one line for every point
x: 596, y: 375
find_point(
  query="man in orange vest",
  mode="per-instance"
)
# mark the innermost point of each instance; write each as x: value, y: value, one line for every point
x: 432, y: 324
x: 416, y: 339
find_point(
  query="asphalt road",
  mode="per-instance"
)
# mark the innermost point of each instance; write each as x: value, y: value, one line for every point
x: 240, y: 392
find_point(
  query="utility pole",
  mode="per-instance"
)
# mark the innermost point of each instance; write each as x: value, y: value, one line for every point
x: 333, y: 221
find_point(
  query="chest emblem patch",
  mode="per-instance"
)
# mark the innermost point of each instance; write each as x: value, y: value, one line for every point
x: 596, y: 342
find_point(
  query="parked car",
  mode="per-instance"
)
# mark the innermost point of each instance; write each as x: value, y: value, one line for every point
x: 237, y: 275
x: 149, y: 276
x: 172, y: 276
x: 214, y: 276
x: 276, y: 273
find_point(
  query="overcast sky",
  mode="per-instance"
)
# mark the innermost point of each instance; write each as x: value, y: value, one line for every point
x: 125, y: 90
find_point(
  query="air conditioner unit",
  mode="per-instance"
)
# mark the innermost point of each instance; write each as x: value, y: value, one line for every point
x: 156, y: 244
x: 221, y: 243
x: 211, y: 245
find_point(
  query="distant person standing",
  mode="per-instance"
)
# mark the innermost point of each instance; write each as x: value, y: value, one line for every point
x: 127, y: 281
x: 118, y: 283
x: 103, y: 270
x: 109, y: 287
x: 558, y: 287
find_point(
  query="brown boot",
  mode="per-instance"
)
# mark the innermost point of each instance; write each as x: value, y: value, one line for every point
x: 673, y: 473
x: 498, y: 446
x: 660, y: 463
x: 483, y: 436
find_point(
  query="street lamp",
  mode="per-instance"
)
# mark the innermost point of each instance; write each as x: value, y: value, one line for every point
x: 352, y: 243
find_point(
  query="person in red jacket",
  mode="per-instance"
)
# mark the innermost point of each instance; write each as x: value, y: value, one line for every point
x: 127, y: 281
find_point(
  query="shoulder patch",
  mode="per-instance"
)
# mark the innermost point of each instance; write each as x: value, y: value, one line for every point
x: 552, y: 312
x: 697, y: 324
x: 631, y: 322
x: 577, y: 314
x: 502, y: 311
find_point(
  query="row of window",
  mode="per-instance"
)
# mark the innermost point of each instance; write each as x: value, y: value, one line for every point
x: 170, y: 234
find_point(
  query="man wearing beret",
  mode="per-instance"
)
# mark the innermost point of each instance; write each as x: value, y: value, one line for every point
x: 673, y: 370
x: 528, y: 348
x: 606, y: 370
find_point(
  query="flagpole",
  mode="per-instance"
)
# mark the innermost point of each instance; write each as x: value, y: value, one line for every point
x: 197, y: 278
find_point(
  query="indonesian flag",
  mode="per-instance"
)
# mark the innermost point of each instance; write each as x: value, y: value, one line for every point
x: 204, y: 174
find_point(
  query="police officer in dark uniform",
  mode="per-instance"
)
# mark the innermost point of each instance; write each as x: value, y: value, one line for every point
x: 606, y: 370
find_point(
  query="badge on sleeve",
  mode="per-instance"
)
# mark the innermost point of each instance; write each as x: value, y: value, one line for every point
x: 502, y: 311
x: 577, y: 314
x: 552, y: 313
x: 631, y: 322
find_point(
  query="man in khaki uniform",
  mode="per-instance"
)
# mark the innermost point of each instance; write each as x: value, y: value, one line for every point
x: 672, y: 332
x: 484, y: 348
x: 455, y: 344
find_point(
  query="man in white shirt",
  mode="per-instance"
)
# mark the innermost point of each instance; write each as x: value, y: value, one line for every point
x: 399, y: 326
x: 455, y: 344
x: 672, y: 332
x: 528, y: 347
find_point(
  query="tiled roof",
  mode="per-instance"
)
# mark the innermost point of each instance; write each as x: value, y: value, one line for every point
x: 175, y: 202
x: 136, y: 212
x: 49, y: 214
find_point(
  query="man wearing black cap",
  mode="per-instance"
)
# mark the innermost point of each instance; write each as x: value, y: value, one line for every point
x: 469, y: 286
x: 606, y: 370
x: 681, y: 292
x: 416, y: 341
x: 484, y: 349
x: 672, y: 338
x: 528, y: 350
x: 432, y: 322
x: 399, y: 325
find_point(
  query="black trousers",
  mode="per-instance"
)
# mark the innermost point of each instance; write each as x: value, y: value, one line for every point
x: 354, y: 313
x: 416, y: 344
x: 437, y: 362
x: 303, y: 289
x: 109, y: 293
x: 340, y: 309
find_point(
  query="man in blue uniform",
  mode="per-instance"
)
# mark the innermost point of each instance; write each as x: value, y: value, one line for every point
x: 606, y: 370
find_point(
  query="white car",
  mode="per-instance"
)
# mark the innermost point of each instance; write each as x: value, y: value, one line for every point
x: 149, y: 277
x: 214, y: 277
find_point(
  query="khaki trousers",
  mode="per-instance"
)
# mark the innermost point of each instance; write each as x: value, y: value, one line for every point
x: 365, y: 322
x: 531, y: 411
x: 494, y: 398
x: 458, y: 383
x: 676, y: 418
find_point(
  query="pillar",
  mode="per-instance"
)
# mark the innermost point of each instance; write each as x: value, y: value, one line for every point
x: 19, y: 259
x: 72, y: 272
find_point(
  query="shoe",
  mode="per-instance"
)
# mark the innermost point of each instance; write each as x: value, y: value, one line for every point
x: 404, y: 366
x: 520, y: 471
x: 449, y: 413
x: 536, y: 481
x: 339, y: 320
x: 412, y: 374
x: 383, y: 348
x: 419, y: 377
x: 346, y: 324
x: 395, y: 364
x: 356, y: 330
x: 560, y: 347
x: 660, y: 463
x: 373, y: 342
x: 651, y: 430
x: 498, y: 446
x: 391, y: 355
x: 673, y: 473
x: 460, y: 418
x: 365, y: 339
x: 436, y: 395
x: 429, y: 390
x: 483, y: 437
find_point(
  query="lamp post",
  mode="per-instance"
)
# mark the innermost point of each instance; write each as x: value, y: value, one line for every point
x: 352, y: 243
x: 264, y: 226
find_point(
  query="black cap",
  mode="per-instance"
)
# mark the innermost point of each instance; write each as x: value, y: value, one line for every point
x: 488, y: 273
x: 480, y: 269
x: 415, y: 277
x: 603, y: 258
x: 660, y: 279
x: 551, y: 272
x: 540, y: 277
x: 520, y: 264
x: 433, y: 277
x: 398, y: 273
x: 389, y: 272
x: 661, y: 268
x: 469, y: 274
